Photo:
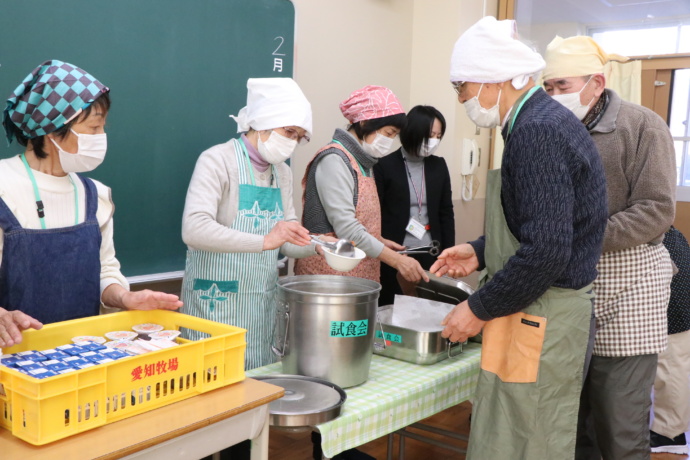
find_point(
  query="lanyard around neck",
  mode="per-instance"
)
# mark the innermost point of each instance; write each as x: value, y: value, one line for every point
x: 420, y: 194
x: 527, y: 95
x: 251, y: 168
x: 361, y: 169
x: 39, y: 202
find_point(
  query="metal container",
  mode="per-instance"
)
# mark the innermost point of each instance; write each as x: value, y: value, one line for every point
x: 308, y: 401
x: 414, y: 344
x: 443, y: 289
x: 325, y: 327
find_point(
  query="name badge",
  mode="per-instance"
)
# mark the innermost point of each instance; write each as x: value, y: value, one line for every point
x: 415, y: 228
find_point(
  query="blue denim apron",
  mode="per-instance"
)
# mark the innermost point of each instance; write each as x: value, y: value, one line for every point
x: 53, y: 274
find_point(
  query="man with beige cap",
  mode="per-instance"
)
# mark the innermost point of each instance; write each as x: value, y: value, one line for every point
x: 633, y: 286
x: 545, y: 218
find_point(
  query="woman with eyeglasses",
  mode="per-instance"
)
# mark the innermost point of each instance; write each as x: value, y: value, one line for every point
x: 415, y: 194
x: 239, y: 213
x: 340, y: 197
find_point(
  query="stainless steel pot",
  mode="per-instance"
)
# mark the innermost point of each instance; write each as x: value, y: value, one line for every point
x: 325, y: 327
x: 308, y: 401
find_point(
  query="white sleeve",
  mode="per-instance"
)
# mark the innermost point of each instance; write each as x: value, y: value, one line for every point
x: 200, y: 226
x: 110, y: 266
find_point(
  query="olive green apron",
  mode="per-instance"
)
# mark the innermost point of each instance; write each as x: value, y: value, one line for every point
x: 528, y: 394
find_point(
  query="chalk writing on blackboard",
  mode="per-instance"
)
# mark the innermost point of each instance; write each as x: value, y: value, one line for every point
x: 278, y: 61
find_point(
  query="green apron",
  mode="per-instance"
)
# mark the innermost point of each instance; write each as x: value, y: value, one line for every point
x: 527, y: 398
x: 240, y: 288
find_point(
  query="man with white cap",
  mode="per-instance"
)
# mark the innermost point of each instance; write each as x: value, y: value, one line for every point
x: 239, y: 213
x: 545, y: 218
x: 635, y: 270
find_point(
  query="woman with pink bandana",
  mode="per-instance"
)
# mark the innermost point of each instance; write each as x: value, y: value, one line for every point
x: 340, y: 197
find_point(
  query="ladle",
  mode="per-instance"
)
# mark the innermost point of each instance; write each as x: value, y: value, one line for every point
x: 342, y: 247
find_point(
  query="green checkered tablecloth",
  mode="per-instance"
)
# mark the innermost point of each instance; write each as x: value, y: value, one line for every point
x: 396, y: 395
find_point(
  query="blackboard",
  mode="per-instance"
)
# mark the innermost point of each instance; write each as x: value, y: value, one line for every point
x: 176, y: 69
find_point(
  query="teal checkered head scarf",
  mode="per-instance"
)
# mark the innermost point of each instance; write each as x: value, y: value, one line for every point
x: 50, y: 96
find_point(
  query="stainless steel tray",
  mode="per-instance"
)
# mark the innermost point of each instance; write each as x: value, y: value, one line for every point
x: 418, y: 346
x: 443, y: 289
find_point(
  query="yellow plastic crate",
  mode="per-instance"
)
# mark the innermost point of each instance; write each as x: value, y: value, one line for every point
x: 43, y: 411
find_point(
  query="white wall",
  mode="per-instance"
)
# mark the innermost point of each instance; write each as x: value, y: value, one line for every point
x: 405, y: 45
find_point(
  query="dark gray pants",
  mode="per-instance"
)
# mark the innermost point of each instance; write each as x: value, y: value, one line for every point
x: 613, y: 422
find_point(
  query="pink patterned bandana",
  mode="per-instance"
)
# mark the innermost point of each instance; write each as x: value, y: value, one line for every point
x: 370, y: 102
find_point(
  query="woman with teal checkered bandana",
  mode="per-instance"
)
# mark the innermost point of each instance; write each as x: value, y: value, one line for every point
x: 239, y: 213
x: 56, y: 231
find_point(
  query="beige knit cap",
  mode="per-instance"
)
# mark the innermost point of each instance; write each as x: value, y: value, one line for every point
x: 576, y: 57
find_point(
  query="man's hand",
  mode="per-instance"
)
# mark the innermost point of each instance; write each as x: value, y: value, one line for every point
x: 458, y: 261
x: 286, y: 232
x: 12, y: 323
x: 461, y: 324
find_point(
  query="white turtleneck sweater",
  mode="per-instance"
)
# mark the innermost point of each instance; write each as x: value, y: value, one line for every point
x: 57, y: 194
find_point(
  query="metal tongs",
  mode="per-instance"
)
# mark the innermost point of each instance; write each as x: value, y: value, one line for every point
x: 434, y: 249
x: 342, y: 247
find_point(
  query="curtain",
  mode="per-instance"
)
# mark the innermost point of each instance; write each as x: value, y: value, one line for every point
x: 625, y: 78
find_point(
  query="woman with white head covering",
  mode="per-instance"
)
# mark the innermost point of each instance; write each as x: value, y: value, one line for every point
x: 239, y: 213
x: 544, y: 224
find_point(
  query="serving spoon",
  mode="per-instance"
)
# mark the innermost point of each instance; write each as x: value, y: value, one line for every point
x: 342, y: 247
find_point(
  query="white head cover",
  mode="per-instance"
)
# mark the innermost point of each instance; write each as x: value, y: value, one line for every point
x: 489, y: 52
x: 274, y: 103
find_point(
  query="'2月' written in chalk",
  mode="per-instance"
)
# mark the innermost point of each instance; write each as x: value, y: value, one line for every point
x: 277, y: 59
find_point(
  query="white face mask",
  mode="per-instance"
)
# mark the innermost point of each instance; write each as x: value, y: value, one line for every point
x: 429, y: 147
x: 484, y: 118
x: 90, y: 154
x: 571, y: 101
x: 380, y: 147
x: 277, y: 148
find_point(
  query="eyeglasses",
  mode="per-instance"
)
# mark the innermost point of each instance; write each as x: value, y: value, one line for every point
x: 293, y: 134
x: 457, y: 86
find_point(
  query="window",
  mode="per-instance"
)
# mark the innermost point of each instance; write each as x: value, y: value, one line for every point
x: 679, y: 122
x: 643, y: 40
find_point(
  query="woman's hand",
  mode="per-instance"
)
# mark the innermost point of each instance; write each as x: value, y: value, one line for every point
x: 407, y: 267
x: 118, y: 297
x: 458, y: 261
x: 12, y: 323
x: 150, y: 300
x: 410, y: 269
x: 286, y: 232
x: 392, y: 245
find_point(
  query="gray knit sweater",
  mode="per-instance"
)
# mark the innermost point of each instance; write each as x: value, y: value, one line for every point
x: 636, y: 149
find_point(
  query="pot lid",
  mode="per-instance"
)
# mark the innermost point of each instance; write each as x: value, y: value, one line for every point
x: 304, y: 395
